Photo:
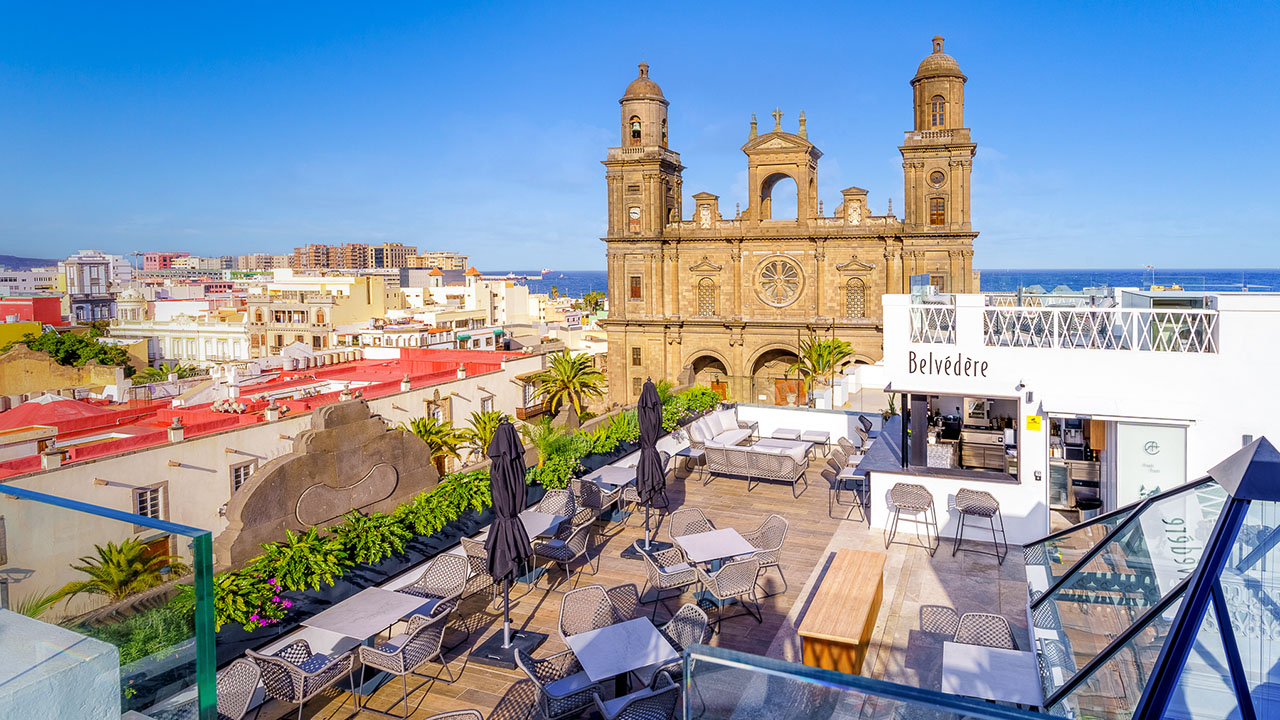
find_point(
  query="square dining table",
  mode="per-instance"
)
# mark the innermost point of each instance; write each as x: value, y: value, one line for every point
x: 369, y: 612
x: 612, y: 476
x: 719, y: 544
x: 540, y: 524
x: 615, y: 650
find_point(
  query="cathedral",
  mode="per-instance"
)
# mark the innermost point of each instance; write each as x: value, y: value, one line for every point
x: 726, y: 301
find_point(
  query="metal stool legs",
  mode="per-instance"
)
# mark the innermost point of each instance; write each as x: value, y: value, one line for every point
x: 996, y: 543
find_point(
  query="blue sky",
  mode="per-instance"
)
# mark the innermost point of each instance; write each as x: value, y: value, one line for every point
x: 1109, y: 135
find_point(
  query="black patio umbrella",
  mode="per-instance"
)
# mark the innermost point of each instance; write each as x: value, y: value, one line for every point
x: 650, y: 474
x: 508, y: 544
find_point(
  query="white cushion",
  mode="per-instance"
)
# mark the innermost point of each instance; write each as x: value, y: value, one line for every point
x: 564, y: 687
x: 713, y: 424
x: 733, y: 436
x: 678, y: 567
x: 696, y: 433
x: 728, y: 420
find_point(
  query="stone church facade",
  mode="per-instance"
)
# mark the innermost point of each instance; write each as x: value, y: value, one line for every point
x: 725, y: 301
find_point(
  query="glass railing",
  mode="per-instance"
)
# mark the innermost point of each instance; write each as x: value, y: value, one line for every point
x: 722, y: 683
x: 105, y: 610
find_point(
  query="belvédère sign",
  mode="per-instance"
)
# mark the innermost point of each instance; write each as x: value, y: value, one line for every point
x: 954, y: 366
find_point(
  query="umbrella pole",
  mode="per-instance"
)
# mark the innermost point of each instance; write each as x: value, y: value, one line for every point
x: 506, y: 614
x: 646, y: 527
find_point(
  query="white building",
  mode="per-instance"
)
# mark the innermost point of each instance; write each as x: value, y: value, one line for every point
x: 25, y: 282
x: 1106, y: 399
x: 182, y: 332
x: 91, y: 279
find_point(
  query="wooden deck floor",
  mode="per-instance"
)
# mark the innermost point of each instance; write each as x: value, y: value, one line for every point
x: 913, y: 580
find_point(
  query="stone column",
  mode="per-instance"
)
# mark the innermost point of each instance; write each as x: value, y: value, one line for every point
x: 967, y: 271
x: 673, y: 268
x: 615, y: 204
x: 819, y: 288
x: 893, y: 269
x: 736, y: 254
x: 659, y: 267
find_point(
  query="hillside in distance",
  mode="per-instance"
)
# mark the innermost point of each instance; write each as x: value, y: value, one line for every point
x: 13, y: 262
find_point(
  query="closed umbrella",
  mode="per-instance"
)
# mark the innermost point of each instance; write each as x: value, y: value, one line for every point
x: 650, y: 474
x: 508, y: 543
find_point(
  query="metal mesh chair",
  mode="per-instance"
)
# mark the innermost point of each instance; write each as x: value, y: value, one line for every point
x: 687, y: 521
x: 403, y: 654
x: 237, y: 683
x: 586, y: 609
x: 848, y: 447
x: 558, y: 502
x: 626, y: 600
x: 980, y: 504
x: 986, y: 630
x: 665, y: 570
x: 767, y: 540
x: 570, y: 543
x: 843, y: 469
x: 564, y: 690
x: 688, y: 626
x: 478, y: 564
x: 916, y: 499
x: 652, y: 703
x: 590, y: 495
x: 444, y: 579
x: 736, y: 579
x: 294, y: 674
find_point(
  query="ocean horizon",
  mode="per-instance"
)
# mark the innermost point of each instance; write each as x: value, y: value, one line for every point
x: 576, y: 283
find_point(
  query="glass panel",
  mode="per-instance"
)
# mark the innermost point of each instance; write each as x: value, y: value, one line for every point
x: 1133, y: 572
x: 1058, y: 554
x: 723, y: 683
x: 1251, y: 585
x: 1204, y: 691
x: 126, y: 639
x: 1114, y: 688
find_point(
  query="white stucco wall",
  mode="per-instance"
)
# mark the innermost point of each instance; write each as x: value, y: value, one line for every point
x: 51, y: 673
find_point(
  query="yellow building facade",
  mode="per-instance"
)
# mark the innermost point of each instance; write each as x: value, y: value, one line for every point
x: 725, y: 300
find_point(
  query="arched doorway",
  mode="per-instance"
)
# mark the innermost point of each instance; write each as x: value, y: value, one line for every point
x: 779, y: 198
x: 772, y: 379
x: 710, y: 371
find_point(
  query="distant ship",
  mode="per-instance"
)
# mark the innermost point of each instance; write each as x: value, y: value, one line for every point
x: 546, y: 271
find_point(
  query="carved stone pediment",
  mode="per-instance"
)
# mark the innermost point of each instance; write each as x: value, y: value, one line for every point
x: 855, y: 266
x: 705, y: 266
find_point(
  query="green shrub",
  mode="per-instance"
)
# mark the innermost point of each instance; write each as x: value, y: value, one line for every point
x: 428, y: 512
x: 368, y: 539
x: 147, y: 632
x: 303, y: 560
x: 556, y: 472
x: 579, y: 445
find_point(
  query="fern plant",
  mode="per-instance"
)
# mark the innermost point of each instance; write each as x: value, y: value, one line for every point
x: 368, y: 539
x: 303, y: 560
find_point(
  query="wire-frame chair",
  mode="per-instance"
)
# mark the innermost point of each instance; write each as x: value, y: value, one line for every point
x: 478, y: 564
x: 688, y: 626
x: 564, y: 690
x: 631, y: 495
x: 585, y: 609
x: 651, y: 703
x: 589, y: 494
x: 403, y: 654
x: 767, y: 540
x: 844, y: 472
x: 570, y: 543
x: 558, y: 502
x: 687, y: 521
x: 915, y: 499
x: 294, y: 674
x: 987, y: 630
x: 458, y: 715
x: 736, y: 579
x: 665, y: 570
x: 980, y: 504
x: 236, y: 684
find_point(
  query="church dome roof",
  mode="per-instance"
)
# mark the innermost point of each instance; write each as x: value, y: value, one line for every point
x: 642, y: 86
x: 130, y: 294
x: 938, y: 63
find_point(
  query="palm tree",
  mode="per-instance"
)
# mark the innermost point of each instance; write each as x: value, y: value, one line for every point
x: 483, y: 425
x: 160, y: 374
x: 544, y: 436
x: 819, y: 359
x: 572, y: 378
x: 441, y: 437
x: 37, y: 603
x: 122, y: 570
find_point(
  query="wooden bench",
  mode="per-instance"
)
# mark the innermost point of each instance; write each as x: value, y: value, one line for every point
x: 836, y: 629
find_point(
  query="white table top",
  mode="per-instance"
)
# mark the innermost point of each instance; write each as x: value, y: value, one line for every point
x: 991, y: 674
x: 714, y: 545
x: 618, y: 649
x: 783, y: 443
x: 540, y: 524
x: 612, y: 475
x: 815, y: 435
x: 369, y: 612
x: 786, y: 434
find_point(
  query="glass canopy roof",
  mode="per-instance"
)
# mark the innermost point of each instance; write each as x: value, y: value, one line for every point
x: 1169, y: 607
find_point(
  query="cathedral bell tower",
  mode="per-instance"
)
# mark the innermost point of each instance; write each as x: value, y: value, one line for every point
x: 643, y: 174
x: 937, y: 156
